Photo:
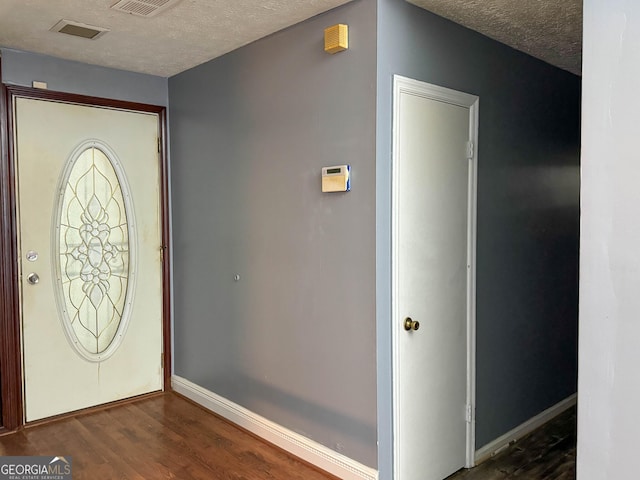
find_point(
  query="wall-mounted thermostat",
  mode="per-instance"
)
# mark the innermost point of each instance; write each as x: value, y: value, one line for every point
x: 336, y: 179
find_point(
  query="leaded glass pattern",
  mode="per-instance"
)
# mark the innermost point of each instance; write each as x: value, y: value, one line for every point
x: 94, y: 251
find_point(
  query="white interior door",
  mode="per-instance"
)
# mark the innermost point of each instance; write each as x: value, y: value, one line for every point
x: 433, y: 244
x: 91, y: 283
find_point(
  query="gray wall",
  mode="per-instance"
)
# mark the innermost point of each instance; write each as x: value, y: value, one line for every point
x: 528, y: 213
x: 22, y: 68
x: 294, y: 339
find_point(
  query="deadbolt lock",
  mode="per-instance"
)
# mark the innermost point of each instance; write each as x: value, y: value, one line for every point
x: 410, y: 324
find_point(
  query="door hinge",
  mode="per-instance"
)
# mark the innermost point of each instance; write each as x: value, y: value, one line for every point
x: 470, y: 151
x: 162, y: 360
x: 469, y: 414
x: 159, y: 145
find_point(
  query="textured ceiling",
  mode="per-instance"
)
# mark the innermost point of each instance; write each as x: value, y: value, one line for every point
x: 195, y: 31
x: 550, y: 30
x: 179, y: 38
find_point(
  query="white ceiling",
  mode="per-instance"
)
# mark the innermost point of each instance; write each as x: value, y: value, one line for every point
x: 550, y: 30
x: 195, y: 31
x: 188, y: 34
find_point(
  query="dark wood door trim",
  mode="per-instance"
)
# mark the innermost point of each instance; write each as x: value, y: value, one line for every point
x: 166, y: 251
x: 10, y: 356
x: 10, y: 351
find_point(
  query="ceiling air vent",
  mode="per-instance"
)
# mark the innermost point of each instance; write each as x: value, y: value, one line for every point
x: 143, y: 8
x: 78, y: 29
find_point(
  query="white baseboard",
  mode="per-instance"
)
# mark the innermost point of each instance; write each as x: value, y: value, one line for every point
x: 294, y: 443
x: 491, y: 448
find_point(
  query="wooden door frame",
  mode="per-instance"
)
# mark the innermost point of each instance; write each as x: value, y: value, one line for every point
x: 10, y: 338
x: 415, y: 87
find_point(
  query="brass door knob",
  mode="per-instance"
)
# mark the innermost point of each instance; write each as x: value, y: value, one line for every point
x: 410, y: 324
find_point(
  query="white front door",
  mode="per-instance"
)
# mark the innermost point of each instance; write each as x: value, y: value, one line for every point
x: 433, y: 251
x: 88, y: 190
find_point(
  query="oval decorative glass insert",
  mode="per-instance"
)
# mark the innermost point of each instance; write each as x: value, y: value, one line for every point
x: 92, y: 232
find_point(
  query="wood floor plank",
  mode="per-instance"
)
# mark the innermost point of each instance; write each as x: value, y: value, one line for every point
x: 548, y: 453
x: 196, y: 438
x: 168, y: 437
x: 163, y: 437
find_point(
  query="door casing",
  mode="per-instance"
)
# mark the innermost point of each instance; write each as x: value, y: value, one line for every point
x: 407, y: 85
x: 10, y: 350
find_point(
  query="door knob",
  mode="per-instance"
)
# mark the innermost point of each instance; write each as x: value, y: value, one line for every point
x: 410, y: 324
x: 33, y: 278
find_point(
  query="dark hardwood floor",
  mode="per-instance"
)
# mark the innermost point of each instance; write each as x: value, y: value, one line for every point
x: 168, y: 437
x: 548, y: 453
x: 163, y: 437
